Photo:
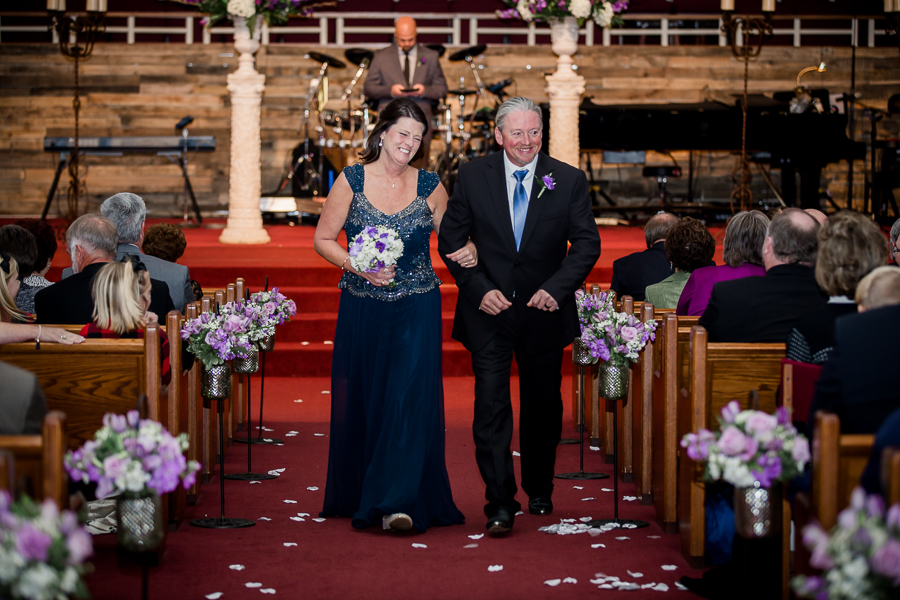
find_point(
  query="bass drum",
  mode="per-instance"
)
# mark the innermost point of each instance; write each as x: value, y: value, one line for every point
x: 305, y: 180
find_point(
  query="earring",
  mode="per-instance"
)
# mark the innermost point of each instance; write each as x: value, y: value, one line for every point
x: 381, y: 142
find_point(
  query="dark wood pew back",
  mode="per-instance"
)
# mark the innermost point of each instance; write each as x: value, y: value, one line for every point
x: 838, y: 463
x: 34, y: 463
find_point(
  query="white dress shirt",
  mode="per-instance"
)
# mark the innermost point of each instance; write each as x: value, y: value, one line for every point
x: 511, y: 182
x: 412, y: 62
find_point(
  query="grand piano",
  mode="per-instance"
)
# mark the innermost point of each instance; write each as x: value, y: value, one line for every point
x: 795, y: 143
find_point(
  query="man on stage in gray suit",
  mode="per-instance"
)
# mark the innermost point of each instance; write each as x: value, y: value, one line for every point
x: 128, y: 212
x: 406, y: 65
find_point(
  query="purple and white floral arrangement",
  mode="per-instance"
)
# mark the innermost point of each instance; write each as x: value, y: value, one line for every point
x: 215, y: 338
x: 274, y: 308
x: 609, y: 335
x: 130, y: 454
x: 752, y: 446
x: 860, y: 558
x: 604, y: 12
x: 42, y: 550
x: 375, y: 248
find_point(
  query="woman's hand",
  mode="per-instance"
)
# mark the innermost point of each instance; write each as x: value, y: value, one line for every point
x: 60, y: 336
x: 467, y: 256
x: 150, y: 317
x: 380, y: 278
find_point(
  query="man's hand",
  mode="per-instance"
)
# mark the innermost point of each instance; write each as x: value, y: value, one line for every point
x: 543, y: 301
x: 397, y: 91
x: 494, y: 302
x: 420, y: 89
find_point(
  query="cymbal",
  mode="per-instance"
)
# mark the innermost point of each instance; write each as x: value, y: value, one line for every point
x: 485, y: 115
x: 467, y: 52
x: 462, y: 92
x: 324, y: 58
x: 358, y: 55
x: 439, y: 48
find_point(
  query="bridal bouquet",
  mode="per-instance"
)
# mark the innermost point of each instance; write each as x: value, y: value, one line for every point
x: 217, y: 338
x: 611, y: 336
x: 751, y: 446
x: 375, y: 248
x: 42, y: 551
x: 604, y: 12
x: 130, y: 454
x: 273, y: 11
x: 860, y: 558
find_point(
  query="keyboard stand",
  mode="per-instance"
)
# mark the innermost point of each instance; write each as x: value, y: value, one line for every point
x: 64, y: 158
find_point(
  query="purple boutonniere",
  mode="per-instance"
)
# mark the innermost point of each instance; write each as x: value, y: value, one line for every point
x: 423, y: 60
x: 548, y: 182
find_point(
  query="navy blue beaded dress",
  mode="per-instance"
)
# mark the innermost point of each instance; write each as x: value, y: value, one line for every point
x: 386, y: 452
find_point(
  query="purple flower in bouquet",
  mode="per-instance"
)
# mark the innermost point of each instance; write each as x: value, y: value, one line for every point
x: 875, y: 506
x: 730, y: 411
x: 771, y: 470
x: 115, y: 422
x: 32, y: 543
x: 800, y: 452
x: 79, y: 545
x: 733, y: 442
x: 893, y: 517
x: 114, y: 466
x: 697, y: 444
x: 561, y: 4
x: 538, y: 7
x: 628, y: 333
x: 782, y: 416
x: 761, y: 424
x: 380, y: 246
x: 620, y: 5
x: 886, y: 561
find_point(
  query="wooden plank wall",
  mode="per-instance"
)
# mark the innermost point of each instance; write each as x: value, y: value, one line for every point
x: 145, y: 89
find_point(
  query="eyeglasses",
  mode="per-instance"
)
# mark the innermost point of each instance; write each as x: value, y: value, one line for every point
x: 895, y: 250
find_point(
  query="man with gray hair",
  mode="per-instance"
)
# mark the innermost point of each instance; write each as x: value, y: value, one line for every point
x: 765, y: 309
x: 895, y: 233
x: 128, y: 212
x: 91, y: 242
x: 634, y: 272
x: 522, y: 209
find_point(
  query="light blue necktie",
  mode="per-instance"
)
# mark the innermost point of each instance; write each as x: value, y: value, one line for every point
x: 520, y: 206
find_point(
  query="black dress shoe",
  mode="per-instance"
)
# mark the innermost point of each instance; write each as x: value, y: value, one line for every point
x: 501, y: 523
x: 540, y: 506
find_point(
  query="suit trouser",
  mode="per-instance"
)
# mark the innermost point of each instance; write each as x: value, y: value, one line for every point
x: 540, y: 416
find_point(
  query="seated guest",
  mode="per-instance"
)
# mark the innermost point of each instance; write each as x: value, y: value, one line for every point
x: 858, y: 381
x: 167, y: 242
x: 121, y: 293
x: 765, y: 309
x: 22, y: 402
x: 91, y: 242
x: 46, y: 248
x: 689, y: 246
x: 13, y: 333
x: 895, y: 233
x: 887, y: 435
x: 128, y: 212
x: 9, y: 287
x: 20, y: 244
x: 633, y: 273
x: 744, y: 237
x: 818, y: 215
x: 878, y: 289
x: 850, y: 246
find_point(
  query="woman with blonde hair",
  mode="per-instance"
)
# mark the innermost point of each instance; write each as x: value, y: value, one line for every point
x: 9, y: 287
x: 121, y: 293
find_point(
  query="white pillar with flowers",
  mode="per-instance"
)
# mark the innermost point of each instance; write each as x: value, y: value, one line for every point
x: 246, y: 86
x: 564, y: 87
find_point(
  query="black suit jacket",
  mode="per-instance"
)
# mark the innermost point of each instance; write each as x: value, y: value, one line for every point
x: 633, y: 273
x: 69, y: 302
x: 859, y: 382
x: 761, y: 309
x: 479, y: 209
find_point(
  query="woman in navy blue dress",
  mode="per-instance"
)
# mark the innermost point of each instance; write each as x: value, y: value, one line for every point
x: 386, y: 453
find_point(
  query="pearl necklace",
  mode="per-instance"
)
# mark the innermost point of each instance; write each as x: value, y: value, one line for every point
x: 393, y: 185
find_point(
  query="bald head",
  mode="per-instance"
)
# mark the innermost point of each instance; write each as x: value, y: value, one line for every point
x: 791, y: 239
x: 818, y: 215
x: 658, y: 227
x: 405, y: 33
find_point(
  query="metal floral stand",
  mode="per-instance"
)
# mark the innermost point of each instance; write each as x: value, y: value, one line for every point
x: 247, y: 366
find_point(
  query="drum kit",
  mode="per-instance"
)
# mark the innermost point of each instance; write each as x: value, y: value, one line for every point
x: 334, y: 131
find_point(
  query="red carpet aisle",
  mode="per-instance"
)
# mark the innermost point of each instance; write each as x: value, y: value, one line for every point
x: 332, y: 560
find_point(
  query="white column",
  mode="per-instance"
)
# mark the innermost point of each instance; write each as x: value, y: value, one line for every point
x: 565, y: 87
x: 246, y: 87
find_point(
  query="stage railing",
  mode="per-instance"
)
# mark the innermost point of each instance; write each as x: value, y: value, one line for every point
x: 463, y: 29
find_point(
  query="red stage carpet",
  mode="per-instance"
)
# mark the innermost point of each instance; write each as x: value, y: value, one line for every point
x: 333, y: 560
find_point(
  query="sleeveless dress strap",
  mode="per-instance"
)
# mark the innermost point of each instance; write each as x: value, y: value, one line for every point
x: 356, y: 176
x: 428, y: 181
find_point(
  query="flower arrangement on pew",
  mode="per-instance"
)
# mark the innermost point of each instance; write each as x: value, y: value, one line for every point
x: 860, y: 558
x: 604, y: 12
x: 42, y: 550
x: 130, y: 454
x: 614, y: 337
x: 270, y: 308
x: 273, y: 11
x: 752, y: 446
x: 215, y: 338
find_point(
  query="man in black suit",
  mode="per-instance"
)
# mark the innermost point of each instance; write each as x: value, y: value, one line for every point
x: 407, y: 65
x: 633, y: 273
x: 859, y: 382
x: 91, y: 242
x: 765, y: 309
x: 521, y: 208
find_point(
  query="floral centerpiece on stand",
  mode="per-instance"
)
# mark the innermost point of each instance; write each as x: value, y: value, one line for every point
x: 605, y: 13
x: 754, y: 451
x: 860, y: 558
x: 274, y: 12
x: 215, y: 338
x: 271, y: 308
x: 130, y: 454
x: 42, y: 551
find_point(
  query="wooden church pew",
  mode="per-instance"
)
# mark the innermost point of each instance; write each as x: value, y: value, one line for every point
x: 642, y: 415
x: 34, y: 463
